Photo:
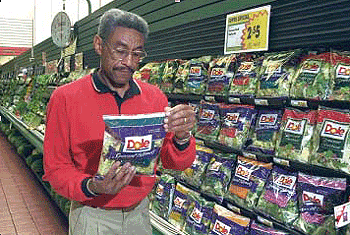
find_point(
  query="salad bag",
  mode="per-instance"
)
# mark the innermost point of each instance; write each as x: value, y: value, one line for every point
x: 264, y: 132
x: 317, y: 197
x: 169, y: 70
x: 259, y: 229
x: 132, y: 138
x: 341, y: 86
x: 199, y: 215
x: 294, y: 139
x: 164, y: 194
x: 226, y: 222
x: 198, y: 75
x: 208, y: 125
x: 276, y: 74
x: 181, y: 202
x: 245, y: 79
x: 221, y: 72
x: 314, y: 77
x: 181, y: 77
x: 331, y: 139
x: 279, y: 197
x: 236, y: 123
x: 248, y: 182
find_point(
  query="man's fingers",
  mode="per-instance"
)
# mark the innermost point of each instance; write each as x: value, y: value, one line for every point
x: 111, y: 173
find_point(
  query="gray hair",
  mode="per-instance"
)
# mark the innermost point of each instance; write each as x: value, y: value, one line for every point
x: 116, y: 17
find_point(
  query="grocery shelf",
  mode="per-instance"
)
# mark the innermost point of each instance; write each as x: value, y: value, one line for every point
x: 33, y: 136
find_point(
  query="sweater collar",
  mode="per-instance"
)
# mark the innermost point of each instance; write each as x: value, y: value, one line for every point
x: 102, y: 88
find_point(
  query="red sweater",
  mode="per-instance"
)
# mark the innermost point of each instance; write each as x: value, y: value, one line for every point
x: 74, y: 137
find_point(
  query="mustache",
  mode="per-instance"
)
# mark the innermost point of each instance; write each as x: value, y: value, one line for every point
x: 123, y: 69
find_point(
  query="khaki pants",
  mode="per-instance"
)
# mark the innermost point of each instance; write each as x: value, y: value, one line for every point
x: 85, y: 220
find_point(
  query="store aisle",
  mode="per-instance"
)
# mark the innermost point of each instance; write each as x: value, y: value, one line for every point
x: 25, y: 208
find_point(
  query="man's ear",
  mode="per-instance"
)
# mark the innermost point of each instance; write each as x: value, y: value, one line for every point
x: 98, y: 44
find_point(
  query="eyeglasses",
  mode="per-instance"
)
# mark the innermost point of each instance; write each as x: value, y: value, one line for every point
x: 120, y: 53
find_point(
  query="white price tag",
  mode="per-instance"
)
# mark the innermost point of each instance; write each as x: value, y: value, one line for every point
x: 209, y: 98
x: 341, y: 215
x: 261, y: 102
x: 299, y: 103
x: 281, y: 161
x: 234, y: 100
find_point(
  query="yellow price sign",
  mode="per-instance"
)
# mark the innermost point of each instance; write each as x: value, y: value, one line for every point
x: 247, y: 31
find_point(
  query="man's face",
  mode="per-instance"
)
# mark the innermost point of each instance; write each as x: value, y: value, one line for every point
x: 119, y: 69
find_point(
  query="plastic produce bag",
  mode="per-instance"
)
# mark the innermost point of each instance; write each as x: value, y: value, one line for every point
x: 331, y: 139
x: 294, y: 140
x: 169, y: 70
x: 150, y: 73
x: 317, y: 197
x: 314, y: 77
x: 181, y: 202
x: 132, y: 138
x: 276, y: 74
x: 217, y: 177
x: 248, y: 182
x: 264, y: 133
x: 208, y: 125
x: 194, y: 175
x: 164, y: 194
x: 279, y: 197
x: 226, y: 222
x: 221, y: 72
x: 199, y: 215
x: 236, y: 123
x: 245, y: 79
x: 198, y: 75
x: 341, y: 86
x: 259, y: 229
x: 181, y: 77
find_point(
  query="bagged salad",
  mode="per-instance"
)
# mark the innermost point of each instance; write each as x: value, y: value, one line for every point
x: 181, y: 77
x: 217, y: 177
x: 226, y: 222
x: 331, y: 139
x: 294, y: 140
x: 194, y: 175
x: 221, y: 72
x: 248, y: 182
x: 314, y: 77
x: 245, y: 79
x: 132, y: 138
x: 317, y: 197
x: 181, y: 202
x: 208, y: 125
x: 169, y: 70
x: 163, y: 197
x: 236, y: 123
x: 199, y: 215
x: 150, y: 73
x: 279, y: 197
x: 198, y: 75
x: 276, y: 74
x: 264, y: 133
x: 259, y: 229
x: 341, y: 86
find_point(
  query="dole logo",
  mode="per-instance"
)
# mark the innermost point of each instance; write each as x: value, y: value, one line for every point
x: 138, y: 143
x: 286, y: 181
x: 295, y: 126
x: 179, y: 202
x: 232, y: 117
x: 221, y: 228
x: 312, y: 198
x: 311, y: 67
x: 160, y: 190
x: 334, y: 130
x: 217, y: 72
x: 343, y: 71
x: 243, y: 172
x: 197, y: 215
x: 195, y: 71
x: 268, y: 119
x: 208, y: 114
x: 245, y: 66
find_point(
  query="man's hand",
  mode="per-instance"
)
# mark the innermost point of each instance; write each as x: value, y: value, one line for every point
x: 116, y: 178
x: 180, y: 120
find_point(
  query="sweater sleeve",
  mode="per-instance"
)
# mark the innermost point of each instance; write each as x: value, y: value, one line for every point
x: 59, y: 167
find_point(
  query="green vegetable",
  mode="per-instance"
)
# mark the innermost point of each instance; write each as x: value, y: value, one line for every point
x: 37, y: 166
x: 25, y: 149
x: 164, y: 193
